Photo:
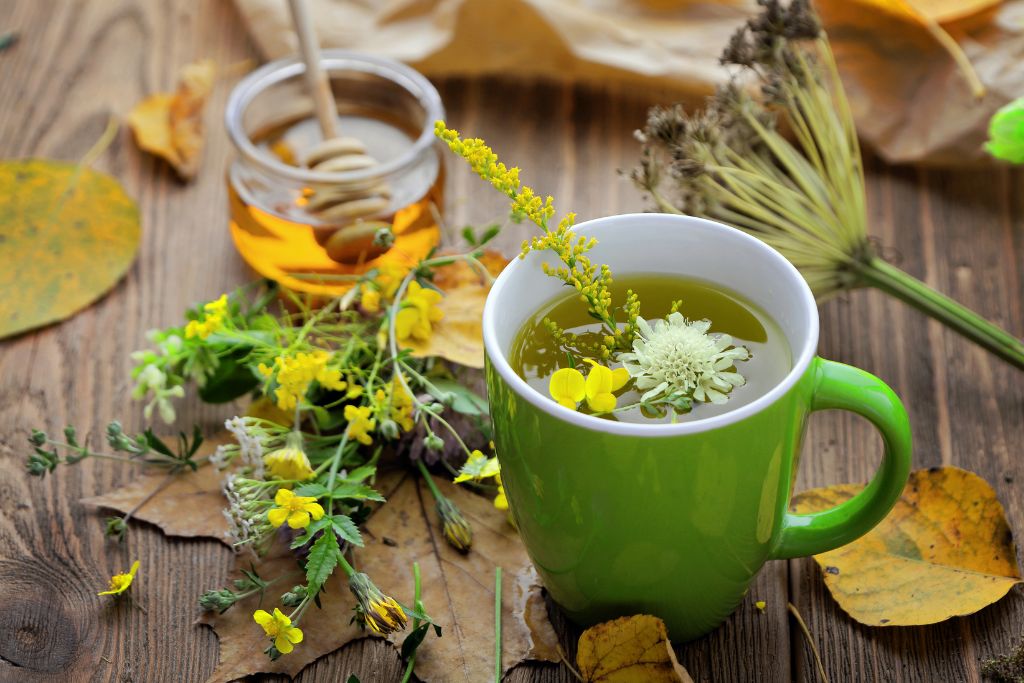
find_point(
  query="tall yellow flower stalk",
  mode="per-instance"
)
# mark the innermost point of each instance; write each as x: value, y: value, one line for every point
x: 805, y: 198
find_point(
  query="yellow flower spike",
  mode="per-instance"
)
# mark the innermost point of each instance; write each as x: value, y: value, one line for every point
x: 288, y: 463
x: 296, y: 510
x: 568, y: 387
x: 279, y: 627
x: 219, y: 306
x: 119, y: 583
x: 360, y: 424
x: 419, y: 310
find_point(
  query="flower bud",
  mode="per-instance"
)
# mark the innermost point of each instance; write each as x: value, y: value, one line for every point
x: 219, y: 600
x: 378, y: 611
x: 293, y: 597
x: 433, y: 443
x: 389, y: 429
x: 456, y: 529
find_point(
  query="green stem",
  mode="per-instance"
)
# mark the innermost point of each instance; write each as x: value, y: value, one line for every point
x: 418, y: 605
x: 430, y: 480
x: 892, y: 280
x: 497, y: 625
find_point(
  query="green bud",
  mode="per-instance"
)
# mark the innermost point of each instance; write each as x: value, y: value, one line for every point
x: 433, y: 443
x: 115, y: 527
x: 219, y: 600
x: 389, y: 429
x: 294, y: 597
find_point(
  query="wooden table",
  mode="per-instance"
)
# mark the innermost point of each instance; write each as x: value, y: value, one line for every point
x: 79, y: 61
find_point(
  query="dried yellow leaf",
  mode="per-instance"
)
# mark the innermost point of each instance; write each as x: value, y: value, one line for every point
x: 629, y: 650
x: 458, y: 336
x: 67, y: 235
x: 945, y: 550
x: 171, y: 125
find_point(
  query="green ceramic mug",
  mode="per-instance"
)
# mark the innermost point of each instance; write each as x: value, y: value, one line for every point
x: 675, y: 520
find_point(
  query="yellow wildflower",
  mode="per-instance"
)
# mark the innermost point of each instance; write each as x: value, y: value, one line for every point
x: 296, y: 373
x: 279, y: 627
x: 601, y: 383
x: 478, y: 466
x: 419, y: 310
x: 381, y: 613
x: 119, y: 583
x: 500, y: 501
x: 370, y: 299
x: 212, y: 321
x: 760, y: 604
x: 568, y: 387
x: 400, y: 403
x: 360, y: 424
x: 456, y: 529
x: 288, y: 463
x: 296, y: 510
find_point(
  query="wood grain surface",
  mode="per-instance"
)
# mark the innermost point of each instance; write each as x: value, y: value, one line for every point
x: 80, y: 61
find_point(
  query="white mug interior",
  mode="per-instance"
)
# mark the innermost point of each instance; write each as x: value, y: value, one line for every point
x: 668, y: 244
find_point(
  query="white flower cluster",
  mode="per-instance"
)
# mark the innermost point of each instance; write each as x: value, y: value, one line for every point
x: 678, y: 356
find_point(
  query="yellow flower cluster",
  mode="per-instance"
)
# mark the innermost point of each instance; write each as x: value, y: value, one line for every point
x: 479, y: 467
x: 294, y: 375
x: 419, y: 310
x: 398, y: 403
x: 213, y: 319
x: 360, y: 423
x: 591, y: 282
x: 383, y: 287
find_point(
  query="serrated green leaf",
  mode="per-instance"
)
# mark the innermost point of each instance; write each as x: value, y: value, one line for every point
x: 346, y: 529
x: 354, y: 491
x: 311, y: 490
x: 323, y: 558
x: 361, y: 473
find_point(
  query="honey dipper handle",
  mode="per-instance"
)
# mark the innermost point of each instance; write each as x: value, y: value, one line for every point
x: 316, y: 79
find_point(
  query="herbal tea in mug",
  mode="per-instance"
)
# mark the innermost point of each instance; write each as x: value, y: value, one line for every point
x: 712, y: 336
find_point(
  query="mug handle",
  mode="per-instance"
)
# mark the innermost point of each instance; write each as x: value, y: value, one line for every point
x: 848, y: 388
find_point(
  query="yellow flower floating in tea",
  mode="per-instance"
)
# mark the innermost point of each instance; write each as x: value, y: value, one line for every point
x: 675, y: 361
x: 678, y: 357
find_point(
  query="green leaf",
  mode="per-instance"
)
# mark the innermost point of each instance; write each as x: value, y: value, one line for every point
x: 310, y: 531
x: 311, y: 490
x: 346, y: 529
x: 353, y: 679
x: 323, y: 558
x: 414, y: 639
x: 361, y: 473
x: 1006, y: 133
x: 232, y: 378
x: 157, y: 445
x: 465, y: 400
x: 354, y: 491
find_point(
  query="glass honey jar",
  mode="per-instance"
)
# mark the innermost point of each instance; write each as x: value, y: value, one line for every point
x: 317, y: 231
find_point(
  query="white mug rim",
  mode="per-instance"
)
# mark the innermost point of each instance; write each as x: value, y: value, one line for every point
x: 802, y: 356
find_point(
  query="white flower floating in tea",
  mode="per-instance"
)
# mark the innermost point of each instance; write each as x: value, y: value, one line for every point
x: 678, y: 357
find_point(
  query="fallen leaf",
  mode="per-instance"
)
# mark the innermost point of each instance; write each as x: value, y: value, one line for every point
x: 189, y: 506
x: 629, y: 650
x: 457, y: 591
x: 171, y: 125
x: 458, y: 336
x: 945, y: 550
x: 67, y: 235
x: 242, y: 641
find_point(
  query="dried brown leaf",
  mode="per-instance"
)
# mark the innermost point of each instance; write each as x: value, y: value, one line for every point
x: 171, y: 125
x: 457, y: 591
x: 189, y: 506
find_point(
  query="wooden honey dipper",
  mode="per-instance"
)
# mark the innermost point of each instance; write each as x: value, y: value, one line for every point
x: 354, y: 240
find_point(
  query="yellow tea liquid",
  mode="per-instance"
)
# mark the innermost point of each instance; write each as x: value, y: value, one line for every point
x: 535, y: 355
x: 292, y: 252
